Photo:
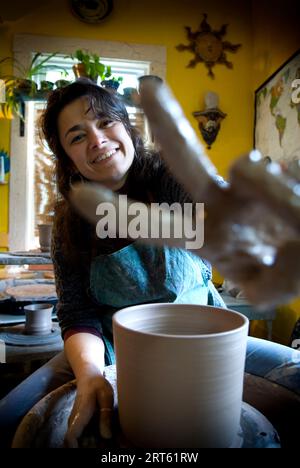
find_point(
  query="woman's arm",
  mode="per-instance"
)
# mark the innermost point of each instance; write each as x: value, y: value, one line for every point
x: 81, y: 328
x: 75, y: 307
x: 85, y: 353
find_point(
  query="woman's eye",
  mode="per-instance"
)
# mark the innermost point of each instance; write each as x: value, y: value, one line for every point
x: 105, y: 123
x: 77, y: 138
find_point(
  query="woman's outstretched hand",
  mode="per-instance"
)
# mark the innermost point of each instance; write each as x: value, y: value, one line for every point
x: 94, y: 393
x: 252, y: 226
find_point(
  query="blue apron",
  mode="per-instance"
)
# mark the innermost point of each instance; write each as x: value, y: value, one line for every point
x: 138, y: 274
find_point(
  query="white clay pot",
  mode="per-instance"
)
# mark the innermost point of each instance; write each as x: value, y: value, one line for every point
x: 180, y: 371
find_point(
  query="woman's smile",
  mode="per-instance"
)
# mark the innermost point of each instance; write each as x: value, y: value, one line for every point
x: 105, y: 156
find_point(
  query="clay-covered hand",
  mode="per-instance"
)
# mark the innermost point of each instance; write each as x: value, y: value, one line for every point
x: 93, y: 393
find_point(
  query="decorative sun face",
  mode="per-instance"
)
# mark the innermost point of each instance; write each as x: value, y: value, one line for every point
x: 208, y: 46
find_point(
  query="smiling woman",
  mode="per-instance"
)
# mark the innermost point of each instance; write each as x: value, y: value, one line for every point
x: 93, y: 136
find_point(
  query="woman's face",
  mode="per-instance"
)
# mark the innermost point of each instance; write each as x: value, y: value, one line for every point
x: 101, y: 149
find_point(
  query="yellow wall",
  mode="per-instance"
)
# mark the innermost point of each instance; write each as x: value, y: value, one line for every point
x: 5, y: 49
x: 162, y: 22
x: 276, y: 35
x: 268, y: 35
x: 157, y: 22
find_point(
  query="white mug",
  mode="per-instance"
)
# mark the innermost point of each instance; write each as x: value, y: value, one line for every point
x: 180, y: 371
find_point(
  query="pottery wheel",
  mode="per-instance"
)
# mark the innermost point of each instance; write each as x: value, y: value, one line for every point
x: 46, y: 423
x: 16, y: 336
x: 32, y: 292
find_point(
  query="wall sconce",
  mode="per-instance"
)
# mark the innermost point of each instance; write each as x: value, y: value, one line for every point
x: 209, y: 120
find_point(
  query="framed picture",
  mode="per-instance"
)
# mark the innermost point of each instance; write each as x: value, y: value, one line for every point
x: 277, y: 113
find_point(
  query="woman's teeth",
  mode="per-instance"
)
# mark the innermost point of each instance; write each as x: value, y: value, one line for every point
x: 106, y: 155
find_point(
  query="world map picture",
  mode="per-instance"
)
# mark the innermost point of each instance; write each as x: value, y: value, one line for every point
x: 277, y: 113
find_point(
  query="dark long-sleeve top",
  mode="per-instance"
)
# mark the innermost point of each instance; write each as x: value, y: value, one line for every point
x: 76, y: 308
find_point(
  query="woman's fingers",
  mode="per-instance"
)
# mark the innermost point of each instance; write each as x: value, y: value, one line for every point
x: 106, y: 423
x: 99, y: 393
x: 118, y: 215
x: 180, y: 145
x: 80, y: 416
x: 106, y: 403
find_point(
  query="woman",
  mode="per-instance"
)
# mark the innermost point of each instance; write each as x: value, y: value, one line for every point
x: 88, y: 130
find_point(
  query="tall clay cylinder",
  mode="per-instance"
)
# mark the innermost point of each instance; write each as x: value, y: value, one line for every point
x: 180, y: 372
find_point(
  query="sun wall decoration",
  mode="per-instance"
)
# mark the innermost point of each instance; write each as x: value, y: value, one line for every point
x: 208, y: 46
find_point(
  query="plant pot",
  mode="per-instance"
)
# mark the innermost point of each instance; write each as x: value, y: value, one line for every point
x: 25, y: 88
x: 62, y: 83
x: 46, y: 85
x: 79, y: 70
x: 45, y: 89
x: 113, y: 84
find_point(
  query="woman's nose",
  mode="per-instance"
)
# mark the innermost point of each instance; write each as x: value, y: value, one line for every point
x: 97, y: 138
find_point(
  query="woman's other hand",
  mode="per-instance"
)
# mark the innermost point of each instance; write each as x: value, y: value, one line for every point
x: 93, y: 393
x: 85, y: 353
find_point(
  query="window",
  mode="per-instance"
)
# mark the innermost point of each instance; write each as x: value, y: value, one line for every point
x: 32, y: 188
x: 130, y: 70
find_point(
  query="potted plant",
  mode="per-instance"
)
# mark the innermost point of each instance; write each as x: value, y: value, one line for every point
x: 23, y: 79
x: 89, y: 66
x: 21, y: 84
